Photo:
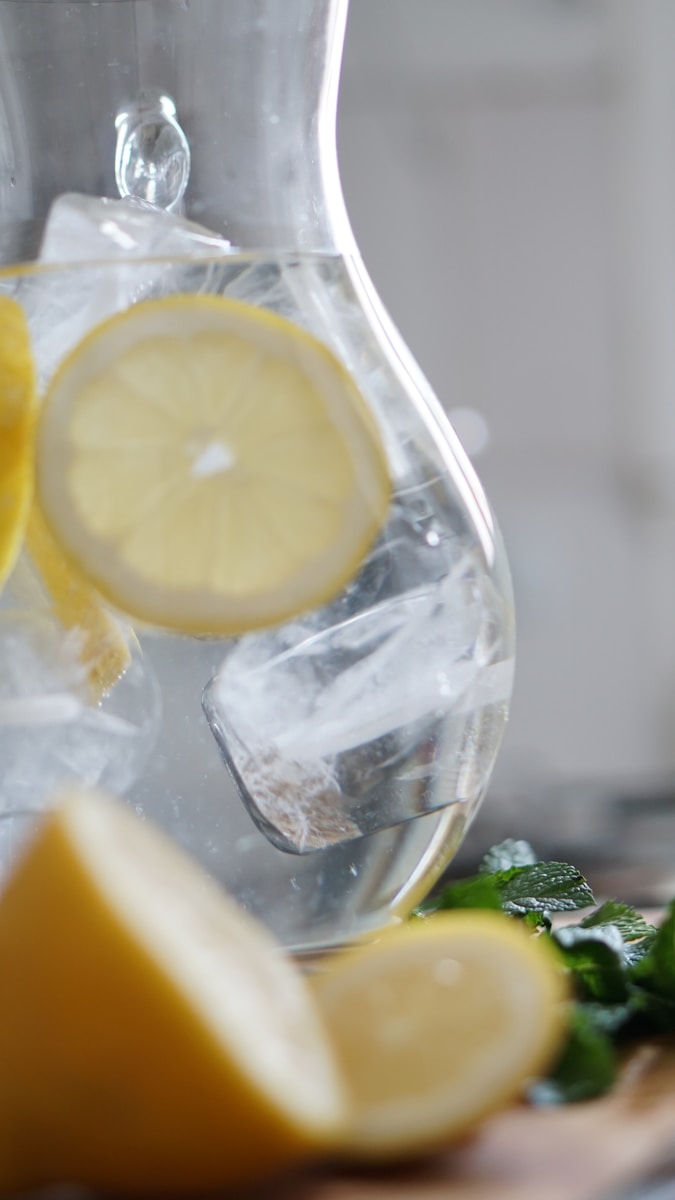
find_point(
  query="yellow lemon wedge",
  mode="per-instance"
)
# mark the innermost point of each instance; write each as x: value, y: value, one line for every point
x: 209, y: 466
x: 437, y: 1024
x: 154, y: 1038
x: 18, y: 408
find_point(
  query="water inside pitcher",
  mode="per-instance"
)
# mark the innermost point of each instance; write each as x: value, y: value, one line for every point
x: 324, y: 767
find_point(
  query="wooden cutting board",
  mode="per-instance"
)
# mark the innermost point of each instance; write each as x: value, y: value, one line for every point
x: 576, y: 1152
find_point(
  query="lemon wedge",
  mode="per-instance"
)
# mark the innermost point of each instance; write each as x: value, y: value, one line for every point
x: 209, y: 466
x: 437, y: 1024
x: 153, y: 1037
x: 18, y: 408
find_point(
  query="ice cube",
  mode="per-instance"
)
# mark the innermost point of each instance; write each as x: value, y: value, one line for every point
x: 50, y: 734
x: 266, y: 283
x: 334, y: 732
x: 108, y: 253
x: 88, y: 229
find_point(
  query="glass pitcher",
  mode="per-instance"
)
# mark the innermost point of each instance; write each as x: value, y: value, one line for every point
x: 325, y: 767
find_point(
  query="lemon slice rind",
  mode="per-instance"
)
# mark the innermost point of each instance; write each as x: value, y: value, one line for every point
x: 18, y: 410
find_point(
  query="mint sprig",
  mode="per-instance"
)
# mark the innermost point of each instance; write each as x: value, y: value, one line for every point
x: 511, y: 877
x: 621, y: 968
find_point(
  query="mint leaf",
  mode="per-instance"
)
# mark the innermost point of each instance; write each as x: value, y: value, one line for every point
x: 537, y: 921
x: 652, y: 976
x: 596, y: 958
x: 627, y: 920
x: 587, y: 1067
x: 507, y: 854
x: 650, y: 1014
x: 533, y: 890
x: 636, y: 951
x: 609, y: 1019
x: 543, y: 887
x: 655, y: 970
x: 476, y: 892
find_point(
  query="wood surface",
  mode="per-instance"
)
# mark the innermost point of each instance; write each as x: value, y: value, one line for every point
x: 574, y: 1152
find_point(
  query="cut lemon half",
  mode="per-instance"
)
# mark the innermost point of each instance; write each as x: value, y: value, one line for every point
x: 153, y: 1037
x: 210, y: 466
x: 18, y: 407
x: 437, y: 1024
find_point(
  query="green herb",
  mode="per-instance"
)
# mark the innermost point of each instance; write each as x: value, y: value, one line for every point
x: 587, y: 1067
x: 630, y: 924
x: 511, y: 878
x: 622, y: 969
x: 506, y: 855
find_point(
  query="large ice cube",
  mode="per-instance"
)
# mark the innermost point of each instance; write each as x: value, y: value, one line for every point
x: 89, y: 229
x: 314, y: 719
x: 109, y: 254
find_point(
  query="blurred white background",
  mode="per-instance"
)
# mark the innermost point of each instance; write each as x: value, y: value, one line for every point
x: 509, y: 169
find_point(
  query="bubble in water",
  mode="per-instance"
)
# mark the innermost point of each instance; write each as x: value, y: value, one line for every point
x: 152, y: 156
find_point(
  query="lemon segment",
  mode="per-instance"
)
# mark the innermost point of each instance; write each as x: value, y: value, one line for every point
x: 210, y: 466
x: 437, y: 1024
x: 18, y: 408
x: 153, y: 1037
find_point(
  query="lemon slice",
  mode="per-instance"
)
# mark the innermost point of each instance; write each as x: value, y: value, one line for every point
x: 103, y: 648
x: 437, y: 1024
x: 153, y: 1037
x: 18, y: 407
x: 105, y: 651
x: 209, y: 466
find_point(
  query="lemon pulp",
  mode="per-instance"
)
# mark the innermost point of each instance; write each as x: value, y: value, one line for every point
x: 438, y: 1023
